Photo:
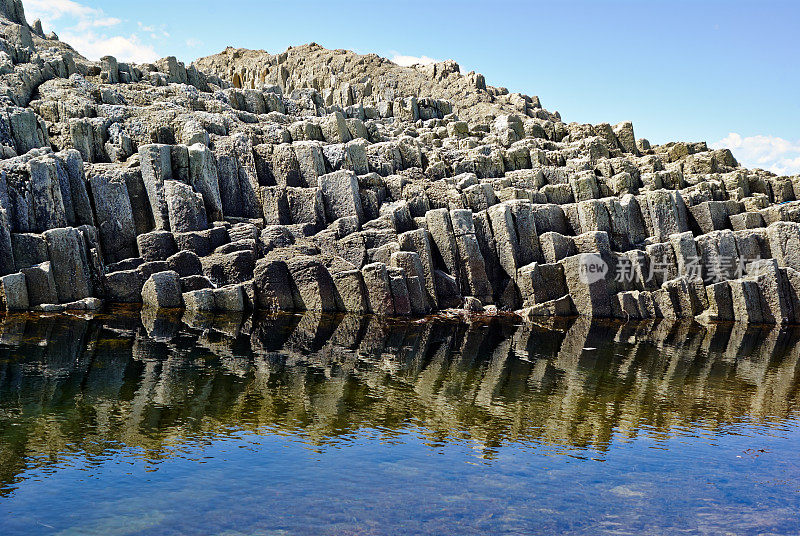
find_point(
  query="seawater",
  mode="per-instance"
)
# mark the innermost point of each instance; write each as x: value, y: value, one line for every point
x: 144, y: 423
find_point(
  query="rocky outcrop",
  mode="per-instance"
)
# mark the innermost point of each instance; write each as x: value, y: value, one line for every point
x: 324, y: 180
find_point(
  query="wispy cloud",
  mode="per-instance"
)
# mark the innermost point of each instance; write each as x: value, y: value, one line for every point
x: 193, y: 43
x: 772, y: 153
x: 156, y: 32
x: 93, y: 33
x: 408, y: 61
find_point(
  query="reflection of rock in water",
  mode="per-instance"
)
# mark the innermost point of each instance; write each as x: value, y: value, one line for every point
x: 149, y: 379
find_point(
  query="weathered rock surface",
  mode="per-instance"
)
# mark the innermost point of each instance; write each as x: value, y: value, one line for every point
x: 323, y: 180
x: 163, y: 290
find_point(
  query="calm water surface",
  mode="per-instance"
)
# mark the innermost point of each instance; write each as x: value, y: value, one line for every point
x: 143, y: 424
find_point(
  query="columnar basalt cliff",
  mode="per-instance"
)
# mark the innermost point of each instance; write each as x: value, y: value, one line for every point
x: 324, y: 180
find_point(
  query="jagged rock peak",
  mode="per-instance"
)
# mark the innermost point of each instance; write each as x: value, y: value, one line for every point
x: 345, y: 78
x: 13, y: 11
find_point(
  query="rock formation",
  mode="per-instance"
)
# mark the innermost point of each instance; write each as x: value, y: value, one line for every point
x: 323, y: 180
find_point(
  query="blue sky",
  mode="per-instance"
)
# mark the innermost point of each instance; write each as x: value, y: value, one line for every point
x: 726, y: 72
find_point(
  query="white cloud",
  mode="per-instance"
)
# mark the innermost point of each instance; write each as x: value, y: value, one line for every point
x: 124, y: 48
x: 193, y: 43
x: 90, y: 31
x: 408, y: 61
x: 51, y: 10
x: 772, y: 153
x: 159, y: 32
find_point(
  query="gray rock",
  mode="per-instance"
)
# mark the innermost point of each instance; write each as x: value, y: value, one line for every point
x: 41, y: 284
x: 237, y: 176
x: 550, y: 217
x: 86, y: 304
x: 156, y: 162
x: 626, y: 137
x: 417, y: 241
x: 540, y: 283
x: 594, y: 216
x: 195, y: 282
x: 156, y: 245
x: 310, y: 161
x: 48, y: 204
x: 14, y: 292
x: 139, y: 200
x: 400, y: 295
x: 417, y: 296
x: 746, y: 220
x: 28, y: 250
x: 273, y: 285
x: 313, y: 287
x: 746, y: 300
x: 441, y: 230
x: 447, y: 291
x: 199, y: 300
x: 719, y: 255
x: 411, y: 264
x: 275, y: 205
x: 124, y: 286
x: 351, y: 294
x: 198, y: 242
x: 473, y: 275
x: 686, y: 256
x: 230, y: 268
x: 784, y: 241
x: 527, y: 234
x: 7, y: 253
x: 238, y: 245
x: 72, y: 179
x: 625, y: 305
x: 666, y: 214
x: 185, y: 263
x: 205, y: 180
x: 334, y: 128
x: 556, y: 246
x: 278, y: 164
x: 593, y: 242
x: 126, y: 264
x: 153, y: 267
x: 163, y: 290
x: 400, y: 215
x: 559, y: 307
x: 230, y: 298
x: 185, y: 207
x: 687, y: 296
x: 505, y: 236
x: 68, y: 258
x: 114, y: 212
x: 306, y: 205
x: 590, y: 294
x: 341, y: 195
x: 774, y: 292
x: 710, y: 216
x: 379, y: 289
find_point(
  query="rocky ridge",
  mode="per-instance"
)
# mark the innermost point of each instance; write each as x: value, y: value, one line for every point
x: 323, y: 180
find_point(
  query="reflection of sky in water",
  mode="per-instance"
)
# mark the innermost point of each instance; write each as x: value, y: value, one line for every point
x: 350, y: 426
